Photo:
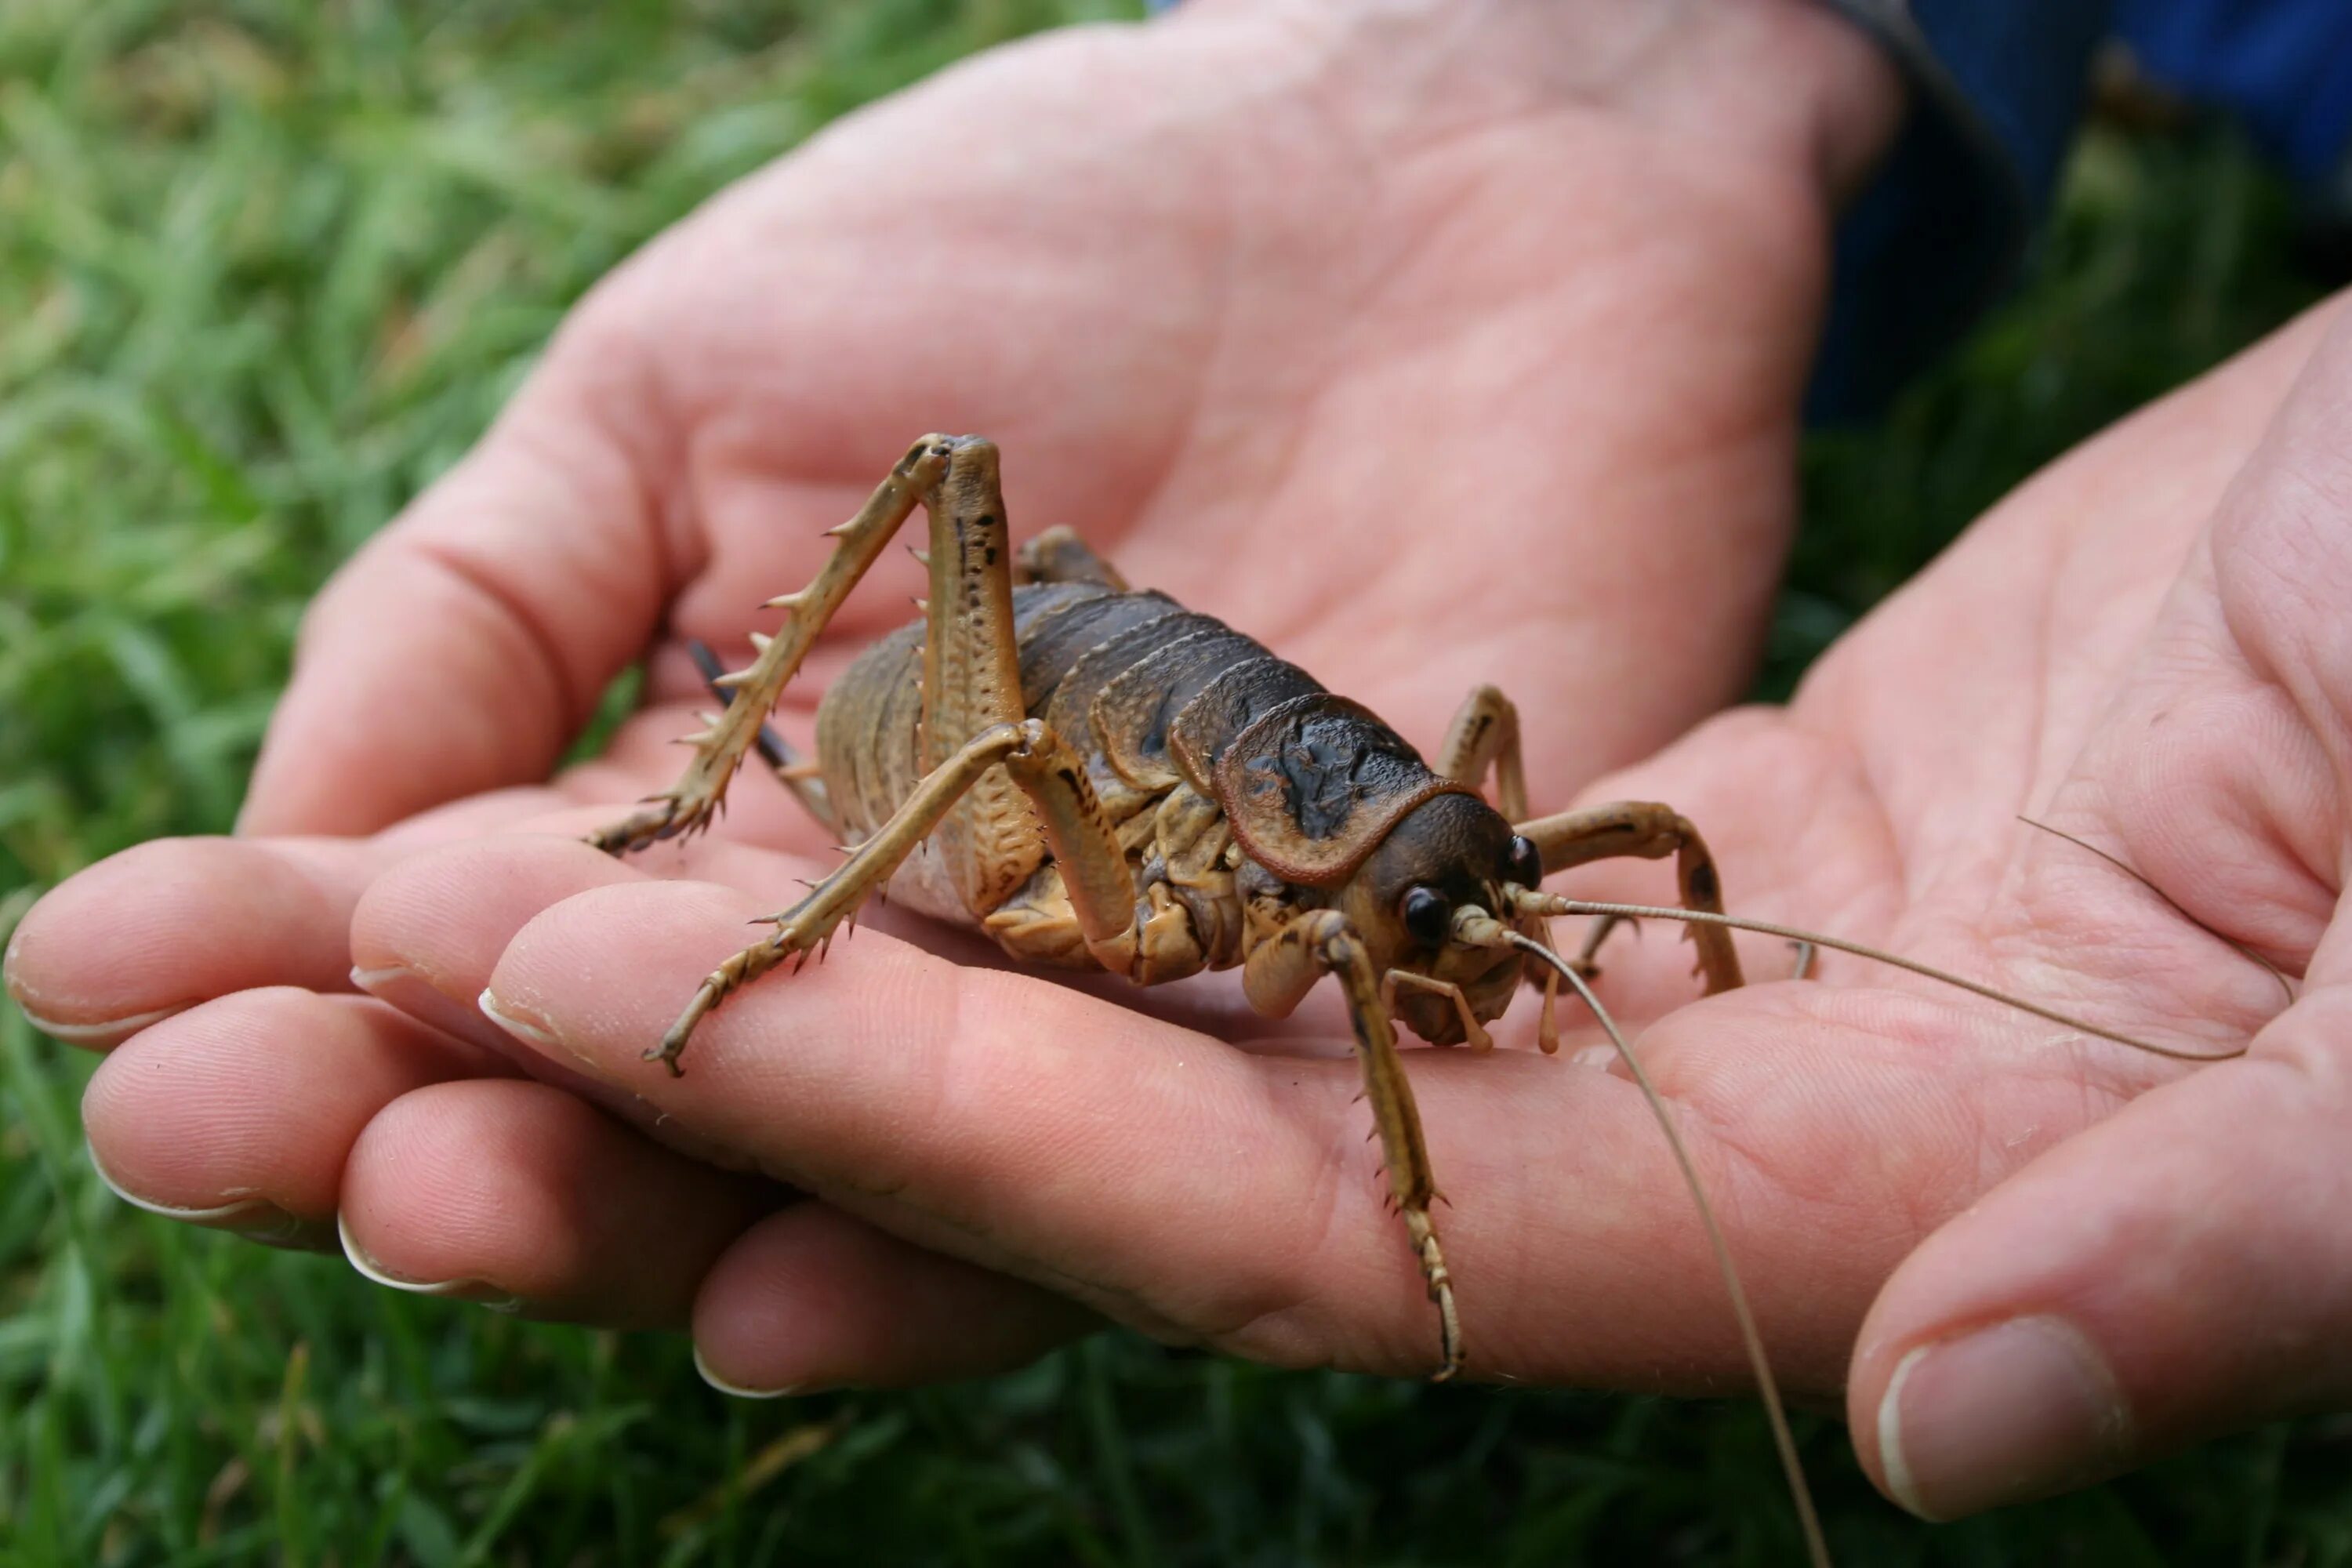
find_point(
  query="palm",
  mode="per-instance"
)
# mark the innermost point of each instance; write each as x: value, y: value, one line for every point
x: 1345, y: 386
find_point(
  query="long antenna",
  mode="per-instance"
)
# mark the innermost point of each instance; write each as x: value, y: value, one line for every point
x: 1549, y: 904
x: 1816, y: 1548
x: 2287, y: 987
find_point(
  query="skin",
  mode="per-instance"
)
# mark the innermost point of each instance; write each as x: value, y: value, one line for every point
x: 2140, y: 646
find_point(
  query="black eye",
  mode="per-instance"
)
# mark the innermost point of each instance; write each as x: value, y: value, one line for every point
x: 1522, y: 863
x: 1427, y: 918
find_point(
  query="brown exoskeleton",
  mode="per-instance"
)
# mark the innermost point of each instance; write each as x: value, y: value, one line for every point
x: 1204, y: 805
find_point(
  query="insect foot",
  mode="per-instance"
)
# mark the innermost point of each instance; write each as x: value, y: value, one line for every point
x: 794, y: 935
x: 672, y: 814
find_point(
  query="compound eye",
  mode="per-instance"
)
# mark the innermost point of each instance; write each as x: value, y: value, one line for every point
x: 1427, y: 918
x: 1523, y: 864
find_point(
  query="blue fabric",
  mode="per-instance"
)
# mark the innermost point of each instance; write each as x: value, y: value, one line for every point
x: 2284, y: 66
x: 1996, y: 89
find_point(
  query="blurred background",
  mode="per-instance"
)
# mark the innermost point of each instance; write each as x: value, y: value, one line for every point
x: 268, y: 267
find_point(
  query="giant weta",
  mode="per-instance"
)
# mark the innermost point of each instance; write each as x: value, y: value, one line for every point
x: 1106, y: 779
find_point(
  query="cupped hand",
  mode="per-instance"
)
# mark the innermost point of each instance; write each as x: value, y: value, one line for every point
x: 1442, y: 344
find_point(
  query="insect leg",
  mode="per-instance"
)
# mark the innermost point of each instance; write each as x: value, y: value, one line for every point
x: 1042, y: 765
x: 815, y: 918
x: 1321, y: 941
x: 1059, y: 555
x: 1653, y: 832
x: 688, y: 805
x: 971, y: 678
x: 1486, y: 733
x: 799, y: 776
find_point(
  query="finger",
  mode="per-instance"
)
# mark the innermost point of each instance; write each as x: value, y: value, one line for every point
x: 2176, y: 1271
x: 159, y: 928
x: 2283, y: 566
x: 430, y: 929
x: 896, y: 1036
x: 809, y: 1298
x: 428, y: 932
x: 520, y: 1195
x: 469, y: 641
x: 239, y: 1113
x: 1157, y: 1176
x: 434, y: 965
x: 165, y: 925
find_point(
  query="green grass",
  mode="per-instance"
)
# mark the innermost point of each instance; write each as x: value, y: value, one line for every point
x: 265, y: 268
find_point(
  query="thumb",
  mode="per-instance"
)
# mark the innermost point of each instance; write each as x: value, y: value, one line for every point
x: 2180, y: 1270
x: 469, y: 641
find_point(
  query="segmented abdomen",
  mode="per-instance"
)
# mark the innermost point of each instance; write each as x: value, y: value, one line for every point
x: 1149, y: 693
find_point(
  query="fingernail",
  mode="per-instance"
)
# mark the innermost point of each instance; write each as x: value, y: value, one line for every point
x: 735, y: 1391
x: 514, y: 1023
x: 415, y: 992
x: 233, y: 1213
x: 535, y: 1031
x: 481, y: 1292
x: 2015, y: 1411
x: 105, y: 1029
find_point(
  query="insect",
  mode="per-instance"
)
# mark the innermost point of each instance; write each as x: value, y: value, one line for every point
x: 1204, y: 803
x: 1104, y: 779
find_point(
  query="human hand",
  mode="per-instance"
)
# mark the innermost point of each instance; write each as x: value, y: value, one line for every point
x: 1138, y: 1167
x: 2178, y: 1269
x: 1300, y: 313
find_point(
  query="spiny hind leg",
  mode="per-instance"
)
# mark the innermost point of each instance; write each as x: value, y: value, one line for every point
x: 800, y: 777
x: 688, y: 805
x: 993, y: 778
x: 810, y: 923
x: 1047, y: 771
x: 988, y: 840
